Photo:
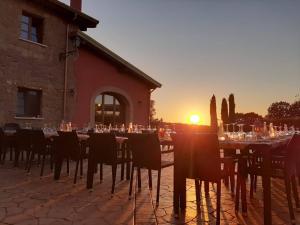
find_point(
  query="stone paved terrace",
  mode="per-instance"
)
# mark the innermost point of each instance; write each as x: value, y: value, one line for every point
x: 29, y: 200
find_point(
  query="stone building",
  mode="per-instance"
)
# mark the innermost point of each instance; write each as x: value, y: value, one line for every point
x: 50, y: 71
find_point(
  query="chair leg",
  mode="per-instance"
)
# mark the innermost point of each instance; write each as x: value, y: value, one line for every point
x: 27, y: 159
x: 139, y: 178
x: 295, y: 191
x: 231, y: 177
x: 131, y: 180
x: 30, y: 162
x: 237, y: 193
x: 128, y: 166
x: 10, y: 154
x: 225, y: 179
x: 206, y: 187
x: 114, y: 173
x: 197, y: 190
x: 96, y: 169
x: 76, y: 170
x: 122, y: 170
x: 150, y: 179
x: 68, y: 166
x: 218, y: 202
x: 243, y: 195
x: 251, y: 185
x: 289, y: 199
x: 4, y: 156
x: 255, y: 183
x: 101, y: 172
x: 158, y: 186
x: 39, y: 159
x: 81, y: 167
x: 51, y: 162
x: 43, y: 164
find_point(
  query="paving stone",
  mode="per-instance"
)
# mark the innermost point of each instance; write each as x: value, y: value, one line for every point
x: 31, y: 200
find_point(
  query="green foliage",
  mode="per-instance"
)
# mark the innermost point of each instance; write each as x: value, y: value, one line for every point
x: 279, y: 110
x: 248, y: 118
x: 224, y: 111
x: 152, y: 110
x: 295, y: 109
x: 231, y: 108
x: 213, y: 114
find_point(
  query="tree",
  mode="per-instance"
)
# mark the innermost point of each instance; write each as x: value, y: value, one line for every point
x: 154, y: 122
x: 213, y: 114
x: 152, y: 110
x: 231, y: 109
x: 224, y: 111
x: 279, y: 110
x: 248, y: 118
x: 295, y: 109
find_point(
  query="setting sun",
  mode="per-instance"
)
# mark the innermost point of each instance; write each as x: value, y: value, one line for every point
x: 194, y: 119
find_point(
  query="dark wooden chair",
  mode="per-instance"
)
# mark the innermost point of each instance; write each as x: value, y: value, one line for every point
x: 283, y: 166
x: 41, y: 147
x: 22, y: 144
x: 11, y: 126
x: 9, y: 143
x: 146, y: 153
x: 103, y: 149
x: 67, y: 147
x: 196, y: 156
x: 229, y: 161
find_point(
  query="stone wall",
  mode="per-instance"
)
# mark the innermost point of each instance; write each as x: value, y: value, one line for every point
x: 32, y: 65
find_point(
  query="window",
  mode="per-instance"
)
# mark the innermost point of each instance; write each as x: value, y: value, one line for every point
x: 109, y: 109
x: 31, y: 28
x: 28, y: 102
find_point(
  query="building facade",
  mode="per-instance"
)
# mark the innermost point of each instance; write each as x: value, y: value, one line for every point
x: 50, y: 71
x: 109, y: 89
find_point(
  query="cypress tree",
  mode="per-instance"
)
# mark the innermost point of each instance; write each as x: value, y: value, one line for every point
x: 231, y: 109
x: 224, y: 111
x: 213, y: 114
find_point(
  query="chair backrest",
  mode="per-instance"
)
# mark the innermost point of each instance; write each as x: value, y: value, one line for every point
x: 68, y: 145
x: 38, y: 140
x: 197, y: 155
x: 11, y: 126
x: 23, y: 139
x: 103, y: 147
x: 293, y: 154
x: 146, y: 152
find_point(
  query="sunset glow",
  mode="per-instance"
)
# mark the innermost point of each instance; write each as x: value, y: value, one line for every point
x: 195, y: 119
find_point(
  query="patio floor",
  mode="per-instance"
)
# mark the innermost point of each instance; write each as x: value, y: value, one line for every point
x: 29, y: 200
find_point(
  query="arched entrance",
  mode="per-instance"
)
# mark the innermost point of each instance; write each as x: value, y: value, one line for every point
x: 110, y: 108
x: 111, y: 105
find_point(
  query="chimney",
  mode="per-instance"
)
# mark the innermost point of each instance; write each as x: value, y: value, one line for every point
x: 76, y: 4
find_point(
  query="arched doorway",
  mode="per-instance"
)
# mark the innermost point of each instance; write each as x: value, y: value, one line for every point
x: 110, y: 108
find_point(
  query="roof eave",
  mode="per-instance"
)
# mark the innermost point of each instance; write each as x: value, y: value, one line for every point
x: 153, y: 84
x: 81, y: 19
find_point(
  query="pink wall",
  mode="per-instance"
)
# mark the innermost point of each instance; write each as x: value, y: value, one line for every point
x: 93, y: 73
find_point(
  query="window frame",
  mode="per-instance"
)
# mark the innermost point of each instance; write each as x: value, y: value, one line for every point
x: 26, y: 111
x: 114, y: 115
x: 34, y: 21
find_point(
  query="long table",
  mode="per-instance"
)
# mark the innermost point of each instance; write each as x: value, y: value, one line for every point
x: 265, y: 146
